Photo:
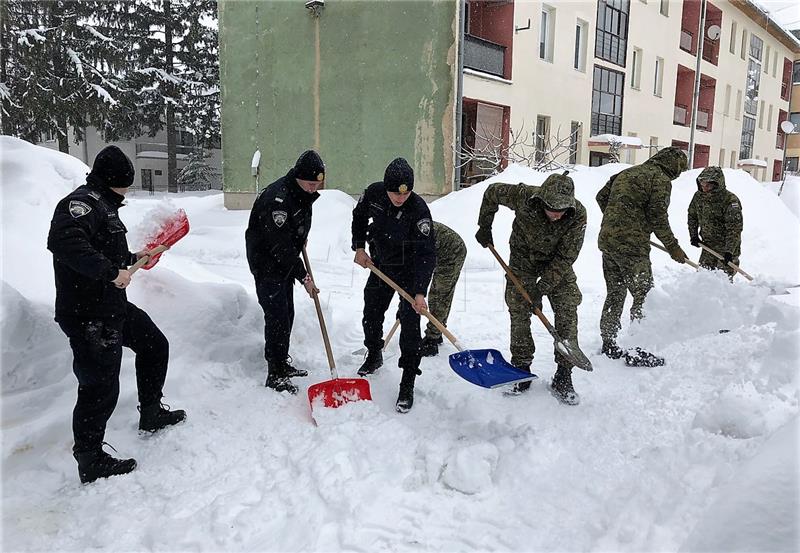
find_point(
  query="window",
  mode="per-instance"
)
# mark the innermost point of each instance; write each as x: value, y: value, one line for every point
x: 761, y: 116
x: 769, y: 118
x: 766, y: 61
x: 607, y: 90
x: 611, y: 41
x: 546, y: 33
x: 794, y: 117
x: 574, y: 142
x: 732, y: 46
x: 653, y: 146
x: 630, y: 153
x: 542, y: 137
x: 159, y: 172
x: 581, y: 33
x: 756, y: 47
x: 658, y: 81
x: 751, y: 88
x: 775, y: 65
x: 721, y: 157
x: 636, y: 69
x: 733, y: 159
x: 727, y: 109
x: 664, y: 8
x: 738, y: 104
x: 791, y: 164
x: 795, y: 72
x: 743, y: 53
x: 748, y: 134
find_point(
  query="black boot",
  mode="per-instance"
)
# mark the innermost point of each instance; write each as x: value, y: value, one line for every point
x: 277, y: 379
x: 520, y: 387
x: 429, y: 347
x: 99, y: 464
x: 612, y: 350
x: 405, y: 399
x: 291, y: 372
x: 561, y: 387
x: 153, y: 418
x: 637, y: 357
x: 372, y: 362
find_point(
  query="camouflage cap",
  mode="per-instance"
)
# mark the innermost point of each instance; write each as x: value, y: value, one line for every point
x: 558, y: 193
x: 672, y: 160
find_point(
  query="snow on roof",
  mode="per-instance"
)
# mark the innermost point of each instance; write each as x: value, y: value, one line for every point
x: 752, y: 163
x: 625, y: 141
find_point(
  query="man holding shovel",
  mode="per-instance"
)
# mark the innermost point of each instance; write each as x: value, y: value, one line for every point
x: 546, y: 238
x: 401, y: 242
x: 278, y: 229
x: 634, y: 203
x: 90, y: 261
x: 715, y: 214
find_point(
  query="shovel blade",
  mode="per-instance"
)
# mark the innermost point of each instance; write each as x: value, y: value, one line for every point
x: 335, y: 393
x: 487, y: 368
x: 171, y: 230
x: 573, y: 354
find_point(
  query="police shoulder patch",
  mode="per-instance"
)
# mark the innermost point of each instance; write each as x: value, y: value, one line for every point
x: 424, y: 226
x: 735, y: 205
x: 78, y: 209
x: 279, y: 217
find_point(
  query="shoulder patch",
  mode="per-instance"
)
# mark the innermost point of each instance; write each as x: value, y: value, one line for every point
x: 424, y: 226
x: 78, y: 209
x: 735, y: 205
x: 279, y: 217
x: 94, y: 195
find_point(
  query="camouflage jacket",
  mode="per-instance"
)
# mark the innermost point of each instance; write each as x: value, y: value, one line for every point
x: 634, y: 203
x: 716, y: 217
x: 538, y: 246
x: 450, y: 248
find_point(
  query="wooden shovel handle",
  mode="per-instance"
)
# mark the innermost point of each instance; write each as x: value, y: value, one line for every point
x: 391, y: 333
x: 520, y: 287
x: 322, y: 327
x: 663, y: 249
x: 410, y: 300
x: 720, y: 257
x: 145, y: 259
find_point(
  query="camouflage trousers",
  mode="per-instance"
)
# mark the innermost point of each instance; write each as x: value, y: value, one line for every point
x: 710, y: 262
x: 623, y: 274
x: 564, y: 300
x: 443, y: 287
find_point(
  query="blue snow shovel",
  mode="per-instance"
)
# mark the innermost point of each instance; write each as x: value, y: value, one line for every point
x: 482, y: 367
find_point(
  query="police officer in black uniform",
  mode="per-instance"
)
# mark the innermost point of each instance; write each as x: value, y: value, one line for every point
x: 279, y: 225
x: 90, y: 260
x: 401, y: 242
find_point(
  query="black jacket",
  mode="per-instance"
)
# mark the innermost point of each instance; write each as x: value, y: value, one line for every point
x: 401, y: 239
x: 89, y: 248
x: 279, y: 225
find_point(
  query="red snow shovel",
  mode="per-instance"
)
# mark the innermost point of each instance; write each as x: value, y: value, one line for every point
x: 338, y: 391
x: 172, y: 229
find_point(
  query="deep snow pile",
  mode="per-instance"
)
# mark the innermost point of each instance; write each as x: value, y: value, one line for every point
x: 698, y: 455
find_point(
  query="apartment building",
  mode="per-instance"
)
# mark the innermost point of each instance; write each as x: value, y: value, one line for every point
x: 627, y: 68
x: 793, y: 139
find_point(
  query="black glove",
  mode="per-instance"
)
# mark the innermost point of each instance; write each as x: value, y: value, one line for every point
x: 484, y: 237
x: 695, y: 241
x: 727, y: 257
x: 536, y: 298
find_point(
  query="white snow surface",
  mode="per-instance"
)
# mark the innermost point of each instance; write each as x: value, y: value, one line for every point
x: 698, y: 455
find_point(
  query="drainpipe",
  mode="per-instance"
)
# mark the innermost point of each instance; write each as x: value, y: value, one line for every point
x: 696, y: 98
x: 459, y: 94
x: 786, y: 135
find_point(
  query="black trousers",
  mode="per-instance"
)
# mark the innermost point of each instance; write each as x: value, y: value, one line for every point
x: 277, y: 300
x: 97, y: 354
x: 377, y: 297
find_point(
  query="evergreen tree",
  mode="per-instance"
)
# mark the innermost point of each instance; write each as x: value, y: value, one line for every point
x: 197, y: 174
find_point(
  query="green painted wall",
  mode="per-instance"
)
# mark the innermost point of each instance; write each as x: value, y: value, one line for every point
x: 386, y: 89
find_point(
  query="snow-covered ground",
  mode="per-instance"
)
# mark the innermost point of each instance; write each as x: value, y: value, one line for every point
x: 699, y: 455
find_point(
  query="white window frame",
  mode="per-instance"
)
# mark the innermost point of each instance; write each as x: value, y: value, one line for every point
x: 636, y: 69
x: 664, y: 8
x: 766, y: 60
x: 581, y: 40
x: 727, y: 105
x: 769, y: 119
x: 658, y: 77
x: 547, y: 25
x: 738, y: 105
x: 732, y: 46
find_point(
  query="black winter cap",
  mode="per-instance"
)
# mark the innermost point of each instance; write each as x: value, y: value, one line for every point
x: 309, y: 166
x: 399, y: 176
x: 112, y: 168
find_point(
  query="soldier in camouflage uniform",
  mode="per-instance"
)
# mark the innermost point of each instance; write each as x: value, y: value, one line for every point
x: 450, y: 254
x: 634, y: 203
x: 715, y: 214
x: 546, y: 239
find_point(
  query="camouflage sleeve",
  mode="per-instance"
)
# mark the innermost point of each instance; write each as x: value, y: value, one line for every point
x: 693, y: 221
x: 734, y: 223
x: 567, y: 252
x: 657, y: 211
x: 602, y: 196
x: 513, y: 196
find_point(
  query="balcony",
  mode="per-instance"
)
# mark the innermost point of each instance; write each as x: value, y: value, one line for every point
x: 680, y: 115
x: 483, y: 55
